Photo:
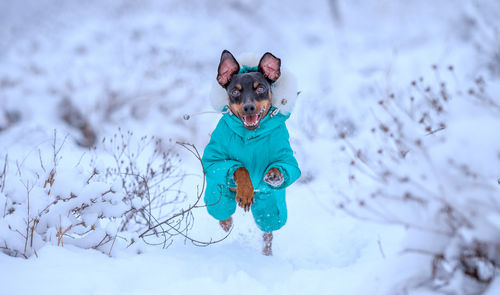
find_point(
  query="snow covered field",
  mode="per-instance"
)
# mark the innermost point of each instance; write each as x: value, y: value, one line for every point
x: 87, y: 70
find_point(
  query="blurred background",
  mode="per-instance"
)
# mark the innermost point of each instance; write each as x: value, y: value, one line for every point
x: 138, y: 63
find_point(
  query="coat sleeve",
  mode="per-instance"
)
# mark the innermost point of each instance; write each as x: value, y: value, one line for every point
x: 218, y: 166
x: 282, y: 158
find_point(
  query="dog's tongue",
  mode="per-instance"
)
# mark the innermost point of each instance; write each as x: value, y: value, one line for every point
x: 250, y: 119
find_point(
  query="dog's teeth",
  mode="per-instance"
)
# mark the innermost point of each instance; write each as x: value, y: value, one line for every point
x: 251, y: 120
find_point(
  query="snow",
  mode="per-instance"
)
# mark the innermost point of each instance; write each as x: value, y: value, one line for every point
x: 131, y: 71
x: 227, y: 268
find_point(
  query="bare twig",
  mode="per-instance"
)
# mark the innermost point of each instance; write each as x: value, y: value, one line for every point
x: 111, y: 248
x: 421, y: 251
x: 28, y: 218
x: 94, y: 173
x: 380, y: 247
x: 4, y: 174
x: 180, y: 222
x: 41, y: 160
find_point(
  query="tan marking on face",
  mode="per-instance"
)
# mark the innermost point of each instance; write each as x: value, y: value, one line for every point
x: 238, y: 86
x: 255, y: 84
x: 266, y: 104
x: 236, y: 108
x: 269, y: 93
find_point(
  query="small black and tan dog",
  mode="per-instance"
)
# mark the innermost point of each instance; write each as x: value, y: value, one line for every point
x: 249, y: 160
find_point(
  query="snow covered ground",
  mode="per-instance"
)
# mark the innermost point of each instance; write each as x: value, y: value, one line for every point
x: 346, y: 253
x: 141, y: 66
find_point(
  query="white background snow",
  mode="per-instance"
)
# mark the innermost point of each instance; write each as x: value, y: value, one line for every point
x: 142, y: 65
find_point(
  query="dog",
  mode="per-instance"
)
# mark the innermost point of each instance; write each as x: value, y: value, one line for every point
x: 249, y: 161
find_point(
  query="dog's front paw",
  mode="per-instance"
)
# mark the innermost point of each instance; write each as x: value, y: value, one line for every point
x: 274, y: 178
x: 244, y: 188
x: 244, y: 197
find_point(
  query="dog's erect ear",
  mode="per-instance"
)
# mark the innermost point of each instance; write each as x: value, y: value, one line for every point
x: 269, y: 66
x: 228, y: 66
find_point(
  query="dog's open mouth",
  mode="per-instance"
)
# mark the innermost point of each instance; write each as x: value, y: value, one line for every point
x: 251, y: 122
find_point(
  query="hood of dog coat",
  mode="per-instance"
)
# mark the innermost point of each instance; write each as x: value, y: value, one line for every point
x: 283, y: 91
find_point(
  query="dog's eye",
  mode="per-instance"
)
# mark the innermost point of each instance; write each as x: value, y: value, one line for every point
x: 235, y: 92
x: 260, y: 90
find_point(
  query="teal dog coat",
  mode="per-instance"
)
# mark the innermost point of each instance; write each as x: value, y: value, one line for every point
x: 232, y: 146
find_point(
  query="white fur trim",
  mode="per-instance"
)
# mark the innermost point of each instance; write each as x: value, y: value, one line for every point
x: 218, y: 96
x: 284, y: 90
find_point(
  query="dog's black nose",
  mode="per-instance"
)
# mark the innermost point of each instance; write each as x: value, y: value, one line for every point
x: 249, y: 108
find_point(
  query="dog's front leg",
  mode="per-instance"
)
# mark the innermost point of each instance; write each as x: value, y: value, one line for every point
x: 244, y: 188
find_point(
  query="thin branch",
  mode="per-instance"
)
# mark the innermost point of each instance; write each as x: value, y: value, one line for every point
x: 182, y: 221
x: 94, y: 173
x: 4, y: 173
x: 111, y: 248
x: 41, y: 160
x: 380, y: 247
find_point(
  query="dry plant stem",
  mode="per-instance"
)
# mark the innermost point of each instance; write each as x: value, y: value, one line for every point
x: 150, y: 185
x: 370, y: 172
x: 180, y: 222
x: 103, y: 241
x: 73, y: 230
x: 28, y: 218
x: 94, y: 173
x: 374, y: 174
x: 107, y: 192
x: 56, y: 150
x: 427, y: 189
x: 380, y: 247
x: 46, y: 209
x: 111, y: 248
x: 442, y: 198
x: 191, y: 148
x: 17, y: 231
x: 27, y: 225
x: 148, y: 214
x: 61, y: 233
x: 12, y: 252
x: 5, y: 208
x: 420, y: 251
x: 41, y: 161
x: 35, y: 223
x: 148, y: 195
x: 4, y: 174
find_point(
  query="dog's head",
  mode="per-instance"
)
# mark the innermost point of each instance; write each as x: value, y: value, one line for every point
x: 249, y: 94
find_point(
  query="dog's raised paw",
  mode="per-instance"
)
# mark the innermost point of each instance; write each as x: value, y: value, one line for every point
x: 274, y: 178
x: 244, y: 197
x: 244, y: 188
